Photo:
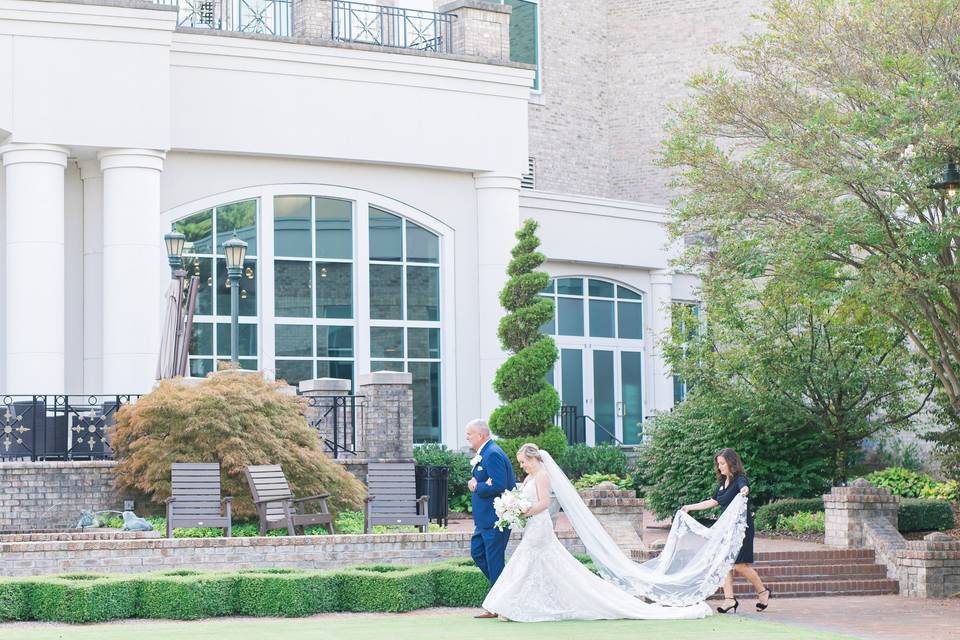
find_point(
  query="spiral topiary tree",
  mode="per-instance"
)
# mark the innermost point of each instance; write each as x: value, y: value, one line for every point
x: 530, y: 402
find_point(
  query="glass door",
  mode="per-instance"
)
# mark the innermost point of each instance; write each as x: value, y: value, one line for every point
x: 630, y: 402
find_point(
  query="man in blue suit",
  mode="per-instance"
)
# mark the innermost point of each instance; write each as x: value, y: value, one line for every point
x: 492, y: 475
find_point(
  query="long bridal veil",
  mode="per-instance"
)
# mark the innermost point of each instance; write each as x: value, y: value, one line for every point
x: 691, y: 566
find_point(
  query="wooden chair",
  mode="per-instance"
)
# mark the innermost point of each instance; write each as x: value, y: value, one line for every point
x: 392, y: 496
x: 276, y: 505
x: 195, y: 498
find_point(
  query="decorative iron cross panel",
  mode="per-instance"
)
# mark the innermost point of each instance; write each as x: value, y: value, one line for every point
x: 13, y: 430
x: 88, y: 429
x: 422, y: 33
x: 254, y: 22
x: 372, y: 26
x: 199, y: 13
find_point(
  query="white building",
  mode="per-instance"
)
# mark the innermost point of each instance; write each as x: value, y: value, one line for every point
x: 378, y: 187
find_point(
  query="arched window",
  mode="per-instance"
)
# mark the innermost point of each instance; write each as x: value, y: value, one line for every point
x: 343, y: 273
x: 598, y: 327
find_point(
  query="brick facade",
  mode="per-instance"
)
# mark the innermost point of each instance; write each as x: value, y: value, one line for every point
x: 610, y: 69
x: 50, y: 495
x: 847, y: 508
x: 218, y: 554
x: 621, y: 514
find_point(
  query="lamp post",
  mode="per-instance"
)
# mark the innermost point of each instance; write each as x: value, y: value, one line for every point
x: 949, y: 184
x: 235, y: 250
x: 175, y: 242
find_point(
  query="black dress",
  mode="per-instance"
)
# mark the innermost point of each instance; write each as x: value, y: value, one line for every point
x: 725, y: 496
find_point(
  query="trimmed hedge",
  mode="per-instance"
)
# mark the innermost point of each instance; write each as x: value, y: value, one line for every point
x: 188, y: 594
x: 917, y: 514
x: 765, y: 518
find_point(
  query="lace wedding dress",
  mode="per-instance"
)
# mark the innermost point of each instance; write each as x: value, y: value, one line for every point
x: 542, y: 582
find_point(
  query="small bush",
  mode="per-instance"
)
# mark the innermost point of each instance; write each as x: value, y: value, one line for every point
x: 767, y: 516
x: 285, y: 593
x: 187, y: 595
x: 925, y: 515
x: 403, y: 589
x: 801, y: 522
x: 460, y: 586
x: 552, y: 440
x: 949, y: 490
x: 14, y: 600
x: 593, y: 479
x: 580, y: 460
x: 902, y: 482
x: 84, y: 598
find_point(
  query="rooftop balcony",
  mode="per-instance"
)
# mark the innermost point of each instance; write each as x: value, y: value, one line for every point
x: 465, y: 27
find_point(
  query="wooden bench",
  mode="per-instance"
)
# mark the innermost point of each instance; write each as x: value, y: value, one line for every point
x: 392, y: 497
x: 276, y: 506
x: 195, y: 497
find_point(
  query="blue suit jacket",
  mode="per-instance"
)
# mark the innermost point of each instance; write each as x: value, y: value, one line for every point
x: 494, y: 465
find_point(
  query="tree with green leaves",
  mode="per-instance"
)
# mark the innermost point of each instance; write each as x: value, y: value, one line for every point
x: 530, y: 403
x: 810, y: 158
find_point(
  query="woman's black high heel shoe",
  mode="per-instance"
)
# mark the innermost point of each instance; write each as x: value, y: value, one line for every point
x: 761, y: 606
x: 736, y: 603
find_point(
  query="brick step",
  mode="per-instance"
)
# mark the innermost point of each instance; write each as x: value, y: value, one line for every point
x: 811, y: 588
x: 814, y: 570
x: 825, y: 556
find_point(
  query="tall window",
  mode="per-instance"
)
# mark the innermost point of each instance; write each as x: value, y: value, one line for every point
x: 313, y: 287
x: 205, y: 233
x: 680, y: 312
x: 525, y: 34
x: 405, y: 312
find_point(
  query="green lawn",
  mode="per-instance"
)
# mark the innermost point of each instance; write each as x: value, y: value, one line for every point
x: 429, y: 626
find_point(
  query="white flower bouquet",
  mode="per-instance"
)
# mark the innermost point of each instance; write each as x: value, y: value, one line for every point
x: 509, y: 508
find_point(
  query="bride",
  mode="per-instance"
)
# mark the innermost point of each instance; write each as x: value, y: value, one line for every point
x: 542, y: 581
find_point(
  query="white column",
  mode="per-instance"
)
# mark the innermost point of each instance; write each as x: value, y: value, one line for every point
x: 35, y: 321
x: 131, y: 245
x: 661, y: 294
x: 92, y: 179
x: 498, y: 218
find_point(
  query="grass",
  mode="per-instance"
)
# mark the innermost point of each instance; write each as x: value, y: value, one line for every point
x: 430, y: 626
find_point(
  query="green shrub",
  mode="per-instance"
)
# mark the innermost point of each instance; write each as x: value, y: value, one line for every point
x: 460, y: 586
x: 902, y: 482
x: 14, y: 600
x: 924, y: 515
x: 580, y: 460
x: 949, y: 490
x: 530, y: 403
x: 392, y: 589
x: 84, y: 598
x: 801, y: 522
x: 458, y: 464
x: 593, y: 479
x: 187, y: 595
x: 270, y: 592
x: 551, y: 440
x: 768, y: 516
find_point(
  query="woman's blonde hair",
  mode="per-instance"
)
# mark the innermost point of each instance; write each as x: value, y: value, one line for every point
x: 530, y: 450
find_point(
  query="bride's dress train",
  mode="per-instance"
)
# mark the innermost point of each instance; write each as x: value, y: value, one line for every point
x: 542, y: 581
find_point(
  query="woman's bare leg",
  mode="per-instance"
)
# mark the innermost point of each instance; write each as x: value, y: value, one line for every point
x: 753, y: 577
x: 728, y: 590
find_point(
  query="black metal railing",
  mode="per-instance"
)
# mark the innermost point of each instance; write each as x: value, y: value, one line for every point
x: 271, y: 17
x: 391, y: 26
x: 58, y: 427
x: 573, y: 428
x: 335, y: 419
x: 602, y: 435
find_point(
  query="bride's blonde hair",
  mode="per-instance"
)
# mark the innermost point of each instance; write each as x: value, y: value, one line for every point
x: 530, y: 450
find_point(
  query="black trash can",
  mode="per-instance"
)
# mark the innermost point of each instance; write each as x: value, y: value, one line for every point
x: 432, y: 481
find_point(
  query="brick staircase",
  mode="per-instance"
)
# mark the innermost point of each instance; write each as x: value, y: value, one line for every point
x: 830, y: 572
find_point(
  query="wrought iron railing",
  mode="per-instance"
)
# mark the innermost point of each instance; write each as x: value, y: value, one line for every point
x: 271, y: 17
x: 335, y: 419
x: 58, y: 427
x: 391, y: 26
x: 574, y: 427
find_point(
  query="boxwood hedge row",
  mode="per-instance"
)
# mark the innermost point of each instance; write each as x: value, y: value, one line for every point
x: 188, y: 594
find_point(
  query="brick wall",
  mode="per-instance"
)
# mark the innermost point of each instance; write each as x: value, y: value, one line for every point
x: 50, y: 495
x: 301, y: 552
x: 930, y: 568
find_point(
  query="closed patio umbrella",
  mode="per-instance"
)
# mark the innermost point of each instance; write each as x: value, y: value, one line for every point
x: 166, y: 361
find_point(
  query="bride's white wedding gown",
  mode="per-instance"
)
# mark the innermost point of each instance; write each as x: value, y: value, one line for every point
x: 542, y: 582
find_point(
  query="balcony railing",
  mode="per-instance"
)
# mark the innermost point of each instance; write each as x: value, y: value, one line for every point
x: 271, y: 17
x: 58, y: 427
x: 391, y: 26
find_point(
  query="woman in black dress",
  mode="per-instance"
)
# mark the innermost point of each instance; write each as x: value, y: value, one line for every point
x: 733, y: 480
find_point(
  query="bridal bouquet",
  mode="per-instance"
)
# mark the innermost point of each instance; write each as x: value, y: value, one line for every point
x: 509, y: 507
